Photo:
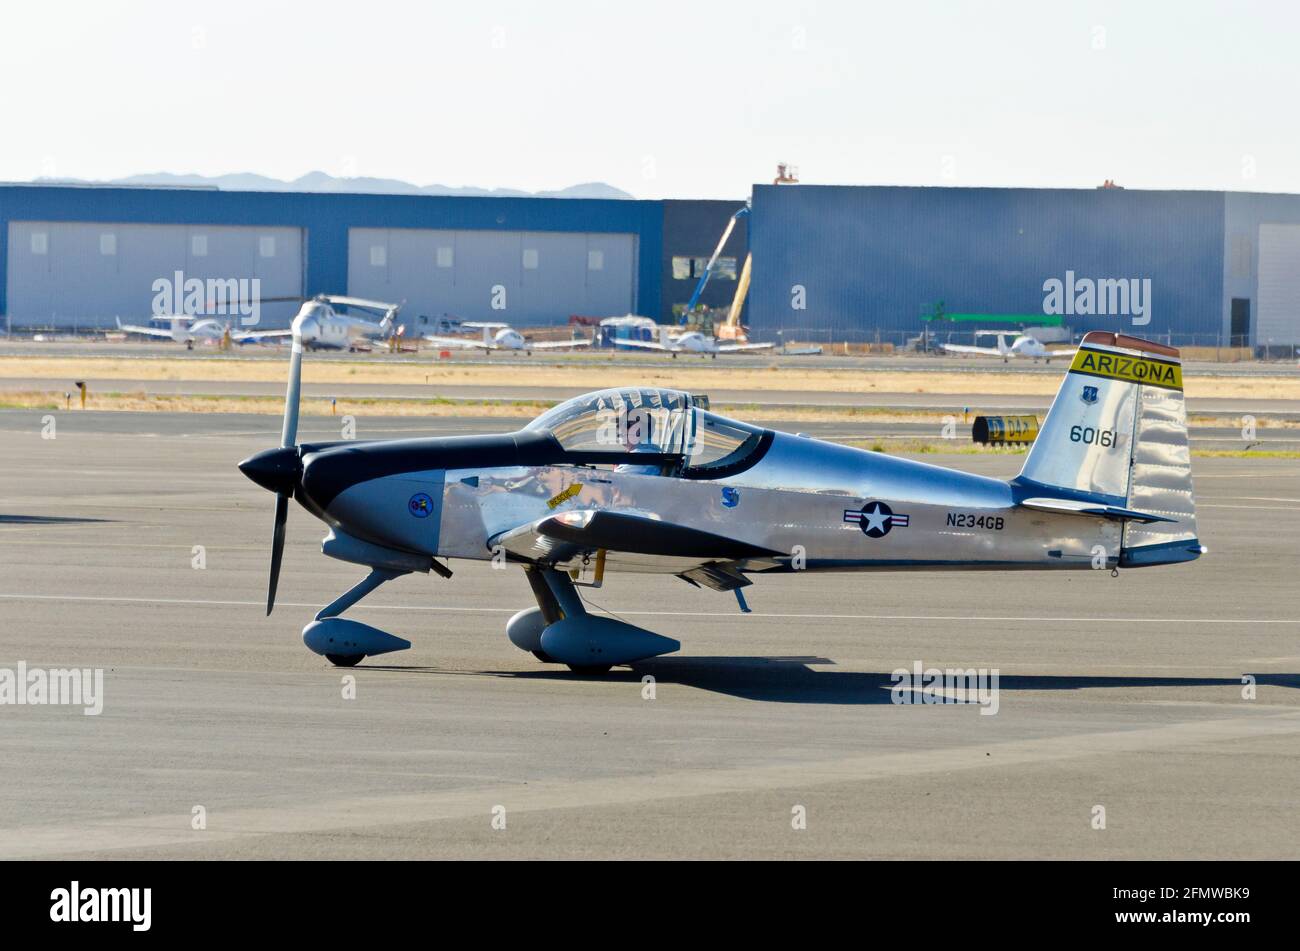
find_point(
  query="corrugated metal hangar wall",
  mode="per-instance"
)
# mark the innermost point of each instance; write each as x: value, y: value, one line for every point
x: 528, y: 277
x: 1261, y: 268
x: 79, y: 273
x: 837, y: 263
x: 830, y: 263
x: 82, y: 256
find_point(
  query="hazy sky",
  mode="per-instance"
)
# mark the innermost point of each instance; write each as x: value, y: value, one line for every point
x: 663, y: 99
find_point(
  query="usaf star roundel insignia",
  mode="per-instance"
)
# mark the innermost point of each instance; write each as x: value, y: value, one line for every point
x: 876, y: 519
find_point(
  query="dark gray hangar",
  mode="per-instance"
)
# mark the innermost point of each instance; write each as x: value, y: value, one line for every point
x: 81, y: 257
x: 865, y: 263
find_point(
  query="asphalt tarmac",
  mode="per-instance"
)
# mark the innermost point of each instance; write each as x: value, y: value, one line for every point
x: 720, y: 395
x: 831, y: 358
x: 1121, y: 693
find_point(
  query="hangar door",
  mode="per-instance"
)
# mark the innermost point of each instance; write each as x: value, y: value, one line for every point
x: 519, y: 277
x: 1278, y: 318
x: 82, y: 274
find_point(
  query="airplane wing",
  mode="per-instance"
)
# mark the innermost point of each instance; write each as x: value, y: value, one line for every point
x: 462, y: 343
x: 147, y: 331
x: 557, y: 344
x: 644, y: 345
x: 962, y: 348
x: 736, y: 347
x: 241, y: 335
x: 1058, y: 354
x: 636, y: 542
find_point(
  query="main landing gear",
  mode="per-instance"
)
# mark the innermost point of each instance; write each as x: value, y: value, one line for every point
x: 560, y: 631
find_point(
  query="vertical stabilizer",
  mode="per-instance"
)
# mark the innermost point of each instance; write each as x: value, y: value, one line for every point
x: 1116, y: 435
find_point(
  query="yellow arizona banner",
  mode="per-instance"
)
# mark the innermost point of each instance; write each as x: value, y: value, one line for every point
x: 1118, y: 366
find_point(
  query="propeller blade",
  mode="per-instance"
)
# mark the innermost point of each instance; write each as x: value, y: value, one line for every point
x: 277, y: 547
x: 289, y: 435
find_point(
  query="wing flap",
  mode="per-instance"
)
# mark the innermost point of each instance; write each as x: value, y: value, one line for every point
x: 567, y: 535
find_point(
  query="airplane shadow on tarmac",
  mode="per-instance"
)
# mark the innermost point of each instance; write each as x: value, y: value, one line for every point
x: 46, y: 520
x: 794, y: 679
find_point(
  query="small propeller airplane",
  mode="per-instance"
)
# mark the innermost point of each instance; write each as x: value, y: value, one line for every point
x: 693, y: 341
x: 649, y: 480
x: 322, y: 328
x: 505, y: 338
x: 190, y: 330
x: 1022, y: 346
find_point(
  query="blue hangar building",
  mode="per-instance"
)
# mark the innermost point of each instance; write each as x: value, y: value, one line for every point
x: 853, y: 263
x: 830, y: 263
x: 80, y: 257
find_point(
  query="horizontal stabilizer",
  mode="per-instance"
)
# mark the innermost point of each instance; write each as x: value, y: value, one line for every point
x: 1094, y: 509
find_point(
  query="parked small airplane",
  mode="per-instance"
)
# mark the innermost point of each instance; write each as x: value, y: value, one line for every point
x: 189, y: 330
x: 1023, y: 346
x: 649, y: 480
x: 505, y: 338
x: 692, y: 341
x: 322, y: 327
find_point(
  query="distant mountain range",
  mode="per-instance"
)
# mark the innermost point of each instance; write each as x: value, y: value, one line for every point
x: 321, y: 182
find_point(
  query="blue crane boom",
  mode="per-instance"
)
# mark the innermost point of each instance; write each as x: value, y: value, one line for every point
x: 708, y: 270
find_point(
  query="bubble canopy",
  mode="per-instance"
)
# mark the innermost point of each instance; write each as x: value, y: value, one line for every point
x: 652, y: 420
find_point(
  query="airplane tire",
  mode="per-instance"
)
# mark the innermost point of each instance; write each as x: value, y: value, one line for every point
x: 345, y: 660
x: 590, y: 669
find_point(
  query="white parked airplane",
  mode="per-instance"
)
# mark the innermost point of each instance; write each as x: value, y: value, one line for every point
x: 692, y: 341
x: 1023, y: 346
x: 505, y: 338
x: 188, y: 330
x: 323, y: 327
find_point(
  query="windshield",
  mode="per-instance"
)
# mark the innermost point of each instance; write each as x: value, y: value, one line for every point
x: 645, y: 420
x: 628, y: 420
x: 719, y: 443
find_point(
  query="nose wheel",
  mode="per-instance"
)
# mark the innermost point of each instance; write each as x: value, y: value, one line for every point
x: 343, y: 642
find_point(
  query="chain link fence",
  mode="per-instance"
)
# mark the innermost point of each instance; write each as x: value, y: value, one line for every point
x: 878, y: 340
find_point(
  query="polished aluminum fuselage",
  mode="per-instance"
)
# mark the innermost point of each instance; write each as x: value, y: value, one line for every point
x: 802, y: 499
